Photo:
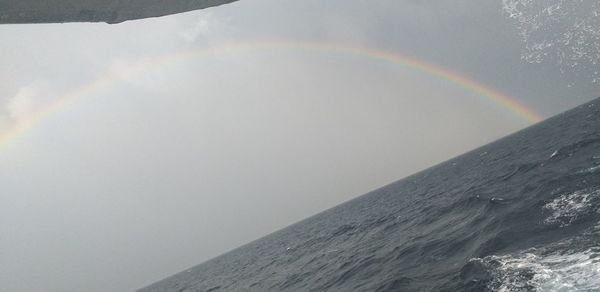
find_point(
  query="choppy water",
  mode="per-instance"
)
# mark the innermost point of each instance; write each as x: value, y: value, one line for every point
x: 520, y: 214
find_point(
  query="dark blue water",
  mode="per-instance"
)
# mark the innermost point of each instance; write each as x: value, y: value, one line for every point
x: 520, y: 214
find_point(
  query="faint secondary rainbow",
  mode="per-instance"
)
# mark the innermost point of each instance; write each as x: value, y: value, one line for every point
x: 156, y: 62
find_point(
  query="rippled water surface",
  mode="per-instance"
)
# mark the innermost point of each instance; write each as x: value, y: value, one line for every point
x: 520, y: 214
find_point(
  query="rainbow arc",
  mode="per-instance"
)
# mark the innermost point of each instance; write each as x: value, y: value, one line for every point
x: 112, y: 77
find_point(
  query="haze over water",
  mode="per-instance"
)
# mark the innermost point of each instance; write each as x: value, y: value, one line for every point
x: 519, y: 214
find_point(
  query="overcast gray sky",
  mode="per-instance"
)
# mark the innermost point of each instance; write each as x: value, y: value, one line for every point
x: 172, y: 165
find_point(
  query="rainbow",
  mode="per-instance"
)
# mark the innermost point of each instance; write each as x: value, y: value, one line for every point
x: 113, y: 76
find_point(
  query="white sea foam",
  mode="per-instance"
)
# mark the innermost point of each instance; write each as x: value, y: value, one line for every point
x: 590, y: 170
x: 565, y: 31
x: 556, y: 272
x: 567, y: 208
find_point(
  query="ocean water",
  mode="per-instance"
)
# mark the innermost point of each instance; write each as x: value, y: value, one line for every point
x: 519, y: 214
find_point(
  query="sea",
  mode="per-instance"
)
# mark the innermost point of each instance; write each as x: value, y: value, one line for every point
x: 519, y: 214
